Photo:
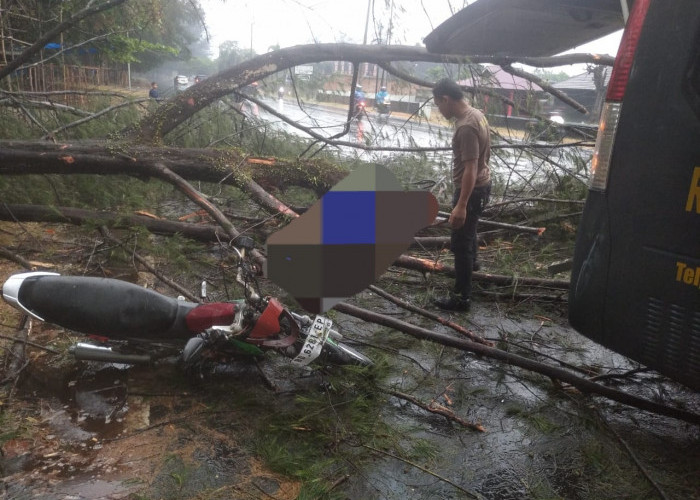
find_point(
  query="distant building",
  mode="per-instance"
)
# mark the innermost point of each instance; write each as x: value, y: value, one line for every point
x: 587, y: 89
x: 525, y: 97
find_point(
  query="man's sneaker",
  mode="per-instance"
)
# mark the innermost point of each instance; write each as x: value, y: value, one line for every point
x: 453, y: 303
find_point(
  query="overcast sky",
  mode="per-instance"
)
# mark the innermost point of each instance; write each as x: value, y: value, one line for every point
x: 265, y: 23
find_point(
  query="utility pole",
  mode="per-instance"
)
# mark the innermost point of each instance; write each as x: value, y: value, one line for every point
x: 251, y: 39
x: 369, y: 8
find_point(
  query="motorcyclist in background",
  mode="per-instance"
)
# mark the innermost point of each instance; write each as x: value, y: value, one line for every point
x: 381, y: 96
x: 359, y: 94
x: 381, y: 103
x: 359, y: 98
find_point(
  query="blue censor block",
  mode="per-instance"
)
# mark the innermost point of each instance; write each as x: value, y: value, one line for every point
x: 348, y: 218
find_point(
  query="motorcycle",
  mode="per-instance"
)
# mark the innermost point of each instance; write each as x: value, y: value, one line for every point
x: 383, y: 110
x: 359, y: 110
x: 130, y: 324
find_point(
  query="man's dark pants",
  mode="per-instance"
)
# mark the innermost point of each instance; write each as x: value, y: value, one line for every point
x: 464, y: 240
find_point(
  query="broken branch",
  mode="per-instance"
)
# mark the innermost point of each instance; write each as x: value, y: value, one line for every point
x: 553, y: 372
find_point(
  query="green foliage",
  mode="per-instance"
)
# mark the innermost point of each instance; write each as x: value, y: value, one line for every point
x: 230, y: 54
x: 15, y: 124
x: 305, y: 441
x: 9, y: 429
x: 82, y: 191
x: 163, y: 26
x: 123, y: 49
x: 139, y: 32
x: 179, y: 252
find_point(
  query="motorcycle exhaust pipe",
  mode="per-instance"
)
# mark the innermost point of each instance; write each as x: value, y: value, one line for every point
x: 88, y: 352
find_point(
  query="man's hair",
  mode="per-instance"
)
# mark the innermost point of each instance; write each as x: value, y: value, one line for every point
x: 153, y: 83
x: 449, y: 88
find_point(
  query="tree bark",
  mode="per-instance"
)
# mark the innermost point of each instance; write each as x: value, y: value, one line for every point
x: 37, y: 213
x: 428, y: 266
x: 209, y: 165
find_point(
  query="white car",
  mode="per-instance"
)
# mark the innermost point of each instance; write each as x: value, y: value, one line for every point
x: 181, y: 83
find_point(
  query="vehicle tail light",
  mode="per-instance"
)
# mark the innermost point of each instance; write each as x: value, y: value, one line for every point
x: 607, y: 128
x: 610, y: 115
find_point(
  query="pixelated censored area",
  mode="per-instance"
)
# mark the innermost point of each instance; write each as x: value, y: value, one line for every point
x: 345, y: 241
x: 348, y: 218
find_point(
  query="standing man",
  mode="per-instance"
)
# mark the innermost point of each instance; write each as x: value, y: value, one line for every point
x: 471, y: 148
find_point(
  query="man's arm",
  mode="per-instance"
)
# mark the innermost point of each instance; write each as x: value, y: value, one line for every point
x: 459, y: 212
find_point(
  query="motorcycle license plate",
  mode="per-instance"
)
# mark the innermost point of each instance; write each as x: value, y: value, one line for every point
x: 318, y: 333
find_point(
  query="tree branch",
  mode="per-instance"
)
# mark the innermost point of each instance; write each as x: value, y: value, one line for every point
x: 53, y: 133
x: 554, y: 372
x: 439, y: 410
x: 165, y: 173
x: 436, y: 317
x: 546, y: 86
x: 192, y: 100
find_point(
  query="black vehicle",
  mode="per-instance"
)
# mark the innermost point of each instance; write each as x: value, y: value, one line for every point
x: 635, y: 286
x: 635, y: 283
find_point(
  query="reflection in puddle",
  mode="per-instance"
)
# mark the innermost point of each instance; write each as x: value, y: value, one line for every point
x: 97, y: 399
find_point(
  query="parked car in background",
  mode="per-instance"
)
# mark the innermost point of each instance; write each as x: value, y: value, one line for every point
x: 181, y: 82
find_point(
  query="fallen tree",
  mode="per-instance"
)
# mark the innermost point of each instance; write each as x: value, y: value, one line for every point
x: 216, y: 233
x: 227, y: 166
x: 198, y: 97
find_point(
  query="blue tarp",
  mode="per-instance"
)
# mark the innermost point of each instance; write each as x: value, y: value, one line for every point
x: 57, y: 46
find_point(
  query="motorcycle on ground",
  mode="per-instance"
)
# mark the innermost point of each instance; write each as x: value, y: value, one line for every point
x: 130, y: 324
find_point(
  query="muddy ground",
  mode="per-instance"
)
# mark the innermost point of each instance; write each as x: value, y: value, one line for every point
x: 266, y: 430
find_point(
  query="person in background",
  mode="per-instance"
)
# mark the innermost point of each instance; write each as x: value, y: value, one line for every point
x: 381, y: 103
x: 471, y: 148
x: 280, y: 93
x: 359, y: 94
x: 381, y: 96
x: 153, y: 93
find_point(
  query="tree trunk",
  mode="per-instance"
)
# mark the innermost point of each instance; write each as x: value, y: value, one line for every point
x: 208, y: 165
x: 38, y: 213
